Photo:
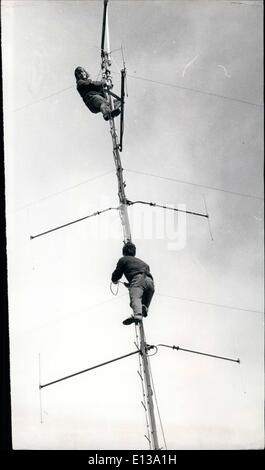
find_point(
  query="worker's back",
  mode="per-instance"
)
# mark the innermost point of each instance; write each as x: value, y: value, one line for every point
x: 130, y: 266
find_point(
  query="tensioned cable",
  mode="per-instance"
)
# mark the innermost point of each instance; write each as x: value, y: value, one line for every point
x: 152, y: 81
x: 195, y: 90
x: 209, y: 303
x: 44, y: 98
x: 64, y: 190
x: 193, y: 184
x: 75, y: 314
x: 153, y: 204
x: 34, y: 4
x: 157, y: 407
x: 73, y: 222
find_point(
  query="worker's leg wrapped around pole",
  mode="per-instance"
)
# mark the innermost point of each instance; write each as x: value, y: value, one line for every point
x: 97, y: 104
x: 136, y: 291
x: 148, y: 292
x: 141, y: 291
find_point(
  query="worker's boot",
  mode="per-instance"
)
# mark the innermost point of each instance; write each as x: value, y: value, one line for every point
x: 117, y: 104
x: 133, y: 319
x: 115, y: 112
x: 144, y: 310
x: 128, y: 321
x: 106, y: 111
x: 117, y: 108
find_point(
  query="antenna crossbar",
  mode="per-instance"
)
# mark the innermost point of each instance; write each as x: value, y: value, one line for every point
x: 178, y: 348
x: 73, y: 222
x: 153, y: 204
x: 87, y: 370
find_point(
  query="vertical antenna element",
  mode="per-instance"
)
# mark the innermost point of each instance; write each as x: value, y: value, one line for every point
x: 41, y: 419
x: 207, y: 217
x: 107, y: 34
x: 123, y: 75
x: 103, y: 28
x: 123, y: 60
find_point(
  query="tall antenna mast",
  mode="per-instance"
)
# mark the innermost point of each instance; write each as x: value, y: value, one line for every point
x: 106, y: 74
x: 142, y: 346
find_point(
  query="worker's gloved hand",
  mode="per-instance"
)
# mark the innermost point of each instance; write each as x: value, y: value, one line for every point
x: 127, y: 284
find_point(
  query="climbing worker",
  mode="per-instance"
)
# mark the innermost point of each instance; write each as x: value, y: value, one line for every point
x: 94, y: 95
x: 140, y: 282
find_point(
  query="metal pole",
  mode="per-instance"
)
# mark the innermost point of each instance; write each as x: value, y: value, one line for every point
x: 148, y: 389
x: 106, y: 73
x: 106, y: 63
x: 121, y: 185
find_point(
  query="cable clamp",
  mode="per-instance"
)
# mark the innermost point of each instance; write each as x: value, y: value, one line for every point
x: 149, y: 346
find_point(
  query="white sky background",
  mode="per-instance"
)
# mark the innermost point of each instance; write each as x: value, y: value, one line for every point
x: 59, y: 298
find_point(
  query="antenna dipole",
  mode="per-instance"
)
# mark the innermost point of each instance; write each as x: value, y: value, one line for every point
x: 106, y: 75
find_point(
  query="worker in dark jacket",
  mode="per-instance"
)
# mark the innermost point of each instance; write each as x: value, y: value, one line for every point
x: 140, y: 282
x: 93, y: 94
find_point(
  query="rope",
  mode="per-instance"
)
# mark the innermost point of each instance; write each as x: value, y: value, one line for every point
x: 63, y: 190
x: 194, y: 184
x: 44, y: 98
x: 208, y: 303
x: 157, y: 407
x: 73, y: 222
x: 116, y: 50
x: 152, y: 81
x: 195, y: 90
x: 111, y: 288
x: 153, y: 204
x: 72, y: 315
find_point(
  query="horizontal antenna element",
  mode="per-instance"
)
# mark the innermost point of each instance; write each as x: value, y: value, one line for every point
x: 153, y: 204
x: 73, y: 222
x: 87, y: 370
x: 201, y: 353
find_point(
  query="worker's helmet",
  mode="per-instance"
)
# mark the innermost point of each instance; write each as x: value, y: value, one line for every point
x: 129, y: 249
x: 78, y: 71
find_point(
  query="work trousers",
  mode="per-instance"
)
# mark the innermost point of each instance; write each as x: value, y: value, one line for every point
x: 141, y: 291
x: 97, y: 104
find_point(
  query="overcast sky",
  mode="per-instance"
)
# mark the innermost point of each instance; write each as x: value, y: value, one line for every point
x: 193, y: 130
